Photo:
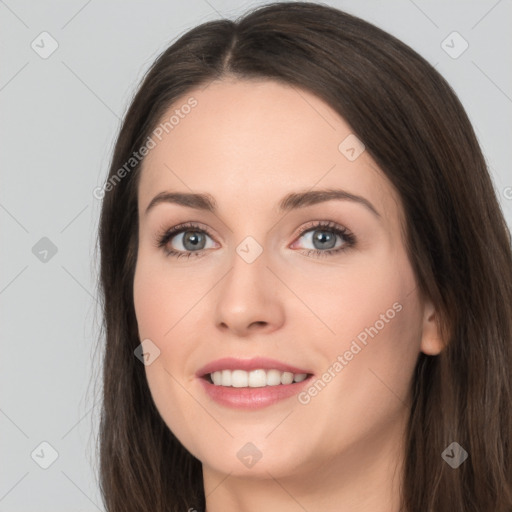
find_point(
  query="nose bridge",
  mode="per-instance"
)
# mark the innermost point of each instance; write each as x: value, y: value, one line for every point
x: 247, y: 296
x: 248, y: 279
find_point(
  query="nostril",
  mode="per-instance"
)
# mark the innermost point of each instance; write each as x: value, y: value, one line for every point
x: 258, y: 323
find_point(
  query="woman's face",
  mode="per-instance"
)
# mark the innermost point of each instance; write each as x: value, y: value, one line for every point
x: 257, y: 278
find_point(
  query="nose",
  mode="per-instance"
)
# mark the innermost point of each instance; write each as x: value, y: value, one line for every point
x: 249, y: 299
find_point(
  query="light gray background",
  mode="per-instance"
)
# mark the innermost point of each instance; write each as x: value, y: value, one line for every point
x: 60, y: 116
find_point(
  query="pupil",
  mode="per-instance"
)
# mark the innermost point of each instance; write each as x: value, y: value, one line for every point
x: 192, y: 237
x: 324, y: 236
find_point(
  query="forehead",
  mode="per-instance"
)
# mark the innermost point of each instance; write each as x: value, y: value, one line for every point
x: 250, y: 142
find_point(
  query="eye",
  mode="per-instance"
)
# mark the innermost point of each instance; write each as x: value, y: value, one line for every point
x: 327, y: 238
x: 190, y: 239
x: 185, y: 240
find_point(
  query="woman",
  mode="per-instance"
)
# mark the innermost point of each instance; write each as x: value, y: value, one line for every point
x: 307, y: 280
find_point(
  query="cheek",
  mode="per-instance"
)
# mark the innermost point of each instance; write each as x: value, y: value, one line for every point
x: 159, y: 306
x: 375, y: 322
x: 144, y: 297
x: 371, y: 298
x: 164, y: 308
x: 162, y: 296
x: 368, y: 374
x: 163, y: 312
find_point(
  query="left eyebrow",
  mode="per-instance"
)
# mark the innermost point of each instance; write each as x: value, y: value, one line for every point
x: 301, y: 199
x: 292, y: 201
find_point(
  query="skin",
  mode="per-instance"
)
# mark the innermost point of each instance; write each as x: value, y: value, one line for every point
x: 248, y: 144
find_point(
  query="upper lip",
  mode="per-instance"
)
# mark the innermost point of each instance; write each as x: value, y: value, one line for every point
x: 255, y: 363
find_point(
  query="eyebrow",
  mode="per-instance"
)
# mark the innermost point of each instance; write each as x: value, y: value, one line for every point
x: 292, y: 201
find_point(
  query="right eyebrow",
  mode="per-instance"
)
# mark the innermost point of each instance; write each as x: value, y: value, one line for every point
x: 192, y: 200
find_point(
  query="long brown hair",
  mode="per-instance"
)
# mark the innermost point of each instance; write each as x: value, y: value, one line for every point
x: 417, y: 131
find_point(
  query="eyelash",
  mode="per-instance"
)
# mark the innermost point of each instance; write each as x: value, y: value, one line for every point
x: 164, y: 237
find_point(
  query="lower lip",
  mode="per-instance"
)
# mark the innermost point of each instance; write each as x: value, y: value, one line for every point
x: 251, y: 398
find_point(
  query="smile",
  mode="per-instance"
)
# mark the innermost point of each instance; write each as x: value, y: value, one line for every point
x: 252, y: 383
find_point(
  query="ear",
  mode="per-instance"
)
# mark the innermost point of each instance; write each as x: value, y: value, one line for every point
x: 431, y: 342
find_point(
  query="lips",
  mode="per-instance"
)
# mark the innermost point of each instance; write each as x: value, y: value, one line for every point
x: 245, y: 387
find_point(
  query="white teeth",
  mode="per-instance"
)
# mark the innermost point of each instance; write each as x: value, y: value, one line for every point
x: 226, y: 378
x: 273, y: 377
x: 257, y: 379
x: 286, y: 378
x: 239, y: 379
x: 254, y: 378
